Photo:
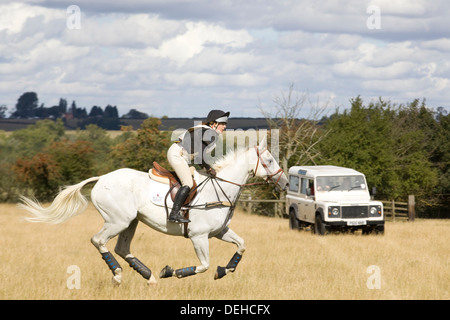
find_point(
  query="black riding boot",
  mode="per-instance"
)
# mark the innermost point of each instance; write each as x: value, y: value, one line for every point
x: 180, y: 197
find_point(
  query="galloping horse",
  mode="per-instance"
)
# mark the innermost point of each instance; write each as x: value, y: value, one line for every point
x: 123, y: 199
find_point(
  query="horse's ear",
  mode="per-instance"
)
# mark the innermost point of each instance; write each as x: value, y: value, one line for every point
x: 263, y: 143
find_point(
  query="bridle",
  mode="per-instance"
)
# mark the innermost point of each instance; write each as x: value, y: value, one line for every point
x: 269, y: 175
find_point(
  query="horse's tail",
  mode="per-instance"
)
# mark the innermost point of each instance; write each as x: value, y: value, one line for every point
x: 68, y: 203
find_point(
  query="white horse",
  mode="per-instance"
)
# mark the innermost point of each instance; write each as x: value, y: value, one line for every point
x: 123, y: 199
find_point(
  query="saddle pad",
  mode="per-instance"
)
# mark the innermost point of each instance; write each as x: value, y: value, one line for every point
x: 158, y: 193
x: 158, y: 190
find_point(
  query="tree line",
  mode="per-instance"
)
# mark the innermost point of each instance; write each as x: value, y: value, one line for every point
x: 27, y: 107
x: 402, y: 149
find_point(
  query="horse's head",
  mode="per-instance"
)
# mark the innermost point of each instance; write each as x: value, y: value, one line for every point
x: 267, y: 167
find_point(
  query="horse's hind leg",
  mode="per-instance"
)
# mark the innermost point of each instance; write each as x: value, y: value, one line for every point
x: 229, y: 235
x: 123, y: 249
x: 100, y: 240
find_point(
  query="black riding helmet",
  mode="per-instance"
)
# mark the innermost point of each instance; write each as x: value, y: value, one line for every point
x: 217, y: 116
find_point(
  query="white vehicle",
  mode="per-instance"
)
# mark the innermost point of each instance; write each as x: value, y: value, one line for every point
x: 331, y: 198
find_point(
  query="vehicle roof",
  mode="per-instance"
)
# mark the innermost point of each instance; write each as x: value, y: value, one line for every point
x: 323, y: 171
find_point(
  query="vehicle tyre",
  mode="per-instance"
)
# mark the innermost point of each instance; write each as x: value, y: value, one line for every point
x: 379, y: 230
x: 319, y: 226
x: 294, y: 224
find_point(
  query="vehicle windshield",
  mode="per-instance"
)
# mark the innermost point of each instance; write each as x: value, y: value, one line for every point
x: 340, y: 183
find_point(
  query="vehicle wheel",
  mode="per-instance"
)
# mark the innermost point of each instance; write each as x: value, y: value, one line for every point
x: 293, y: 222
x: 319, y: 226
x: 379, y: 230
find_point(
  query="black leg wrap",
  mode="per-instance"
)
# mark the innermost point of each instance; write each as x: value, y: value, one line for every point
x: 139, y: 267
x: 110, y: 261
x: 234, y: 262
x: 166, y: 272
x: 185, y: 272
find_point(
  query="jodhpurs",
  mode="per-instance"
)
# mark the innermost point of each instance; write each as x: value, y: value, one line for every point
x: 179, y: 163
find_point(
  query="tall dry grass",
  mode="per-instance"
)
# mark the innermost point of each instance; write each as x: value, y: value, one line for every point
x: 413, y: 260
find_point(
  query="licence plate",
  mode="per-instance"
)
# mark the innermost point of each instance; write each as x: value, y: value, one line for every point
x: 356, y: 222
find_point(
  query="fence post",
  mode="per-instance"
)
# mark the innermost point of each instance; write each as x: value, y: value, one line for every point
x: 393, y: 210
x: 411, y: 207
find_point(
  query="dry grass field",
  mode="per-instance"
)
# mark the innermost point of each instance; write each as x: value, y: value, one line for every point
x: 413, y: 261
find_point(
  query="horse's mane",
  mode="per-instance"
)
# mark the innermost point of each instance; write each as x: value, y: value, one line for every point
x: 231, y: 157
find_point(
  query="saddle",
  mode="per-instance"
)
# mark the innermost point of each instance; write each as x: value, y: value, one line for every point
x: 161, y: 174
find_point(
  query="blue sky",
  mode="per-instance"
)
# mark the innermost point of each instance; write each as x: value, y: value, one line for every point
x: 181, y: 58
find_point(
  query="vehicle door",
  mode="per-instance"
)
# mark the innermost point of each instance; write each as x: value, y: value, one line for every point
x: 306, y: 206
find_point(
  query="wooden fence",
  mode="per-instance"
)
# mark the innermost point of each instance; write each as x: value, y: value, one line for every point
x: 396, y: 210
x: 393, y: 210
x: 278, y: 205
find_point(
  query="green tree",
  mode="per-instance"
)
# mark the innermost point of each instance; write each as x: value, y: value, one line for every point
x: 414, y: 143
x: 39, y: 173
x: 110, y: 112
x: 96, y: 111
x: 101, y: 143
x: 63, y: 162
x: 359, y: 138
x: 3, y: 110
x: 34, y: 138
x: 74, y: 159
x: 40, y: 159
x: 441, y: 158
x: 8, y: 181
x: 134, y: 114
x: 391, y: 146
x: 140, y: 150
x: 26, y: 105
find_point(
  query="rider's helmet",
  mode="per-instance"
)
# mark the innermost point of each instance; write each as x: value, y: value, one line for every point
x: 217, y: 116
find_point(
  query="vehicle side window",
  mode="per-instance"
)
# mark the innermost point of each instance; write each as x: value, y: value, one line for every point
x: 304, y: 185
x: 294, y: 185
x: 307, y: 184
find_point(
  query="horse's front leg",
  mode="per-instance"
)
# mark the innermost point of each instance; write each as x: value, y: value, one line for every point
x: 201, y: 246
x: 229, y: 235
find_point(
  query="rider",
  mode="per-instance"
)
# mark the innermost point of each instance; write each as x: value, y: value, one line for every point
x: 194, y: 144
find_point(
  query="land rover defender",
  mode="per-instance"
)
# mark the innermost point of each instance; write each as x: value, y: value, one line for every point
x: 331, y: 198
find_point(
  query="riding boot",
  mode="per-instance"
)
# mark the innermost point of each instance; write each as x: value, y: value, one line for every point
x: 180, y: 197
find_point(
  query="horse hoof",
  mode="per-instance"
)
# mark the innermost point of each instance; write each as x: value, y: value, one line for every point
x: 220, y: 273
x: 166, y: 272
x: 152, y: 281
x: 117, y: 278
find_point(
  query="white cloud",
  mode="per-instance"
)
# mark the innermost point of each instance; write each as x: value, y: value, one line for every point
x: 118, y: 30
x: 442, y: 44
x: 198, y: 36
